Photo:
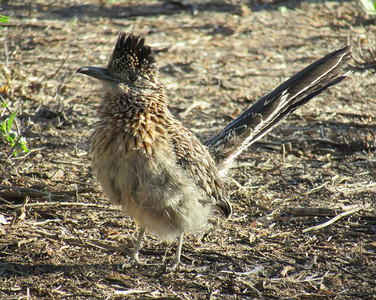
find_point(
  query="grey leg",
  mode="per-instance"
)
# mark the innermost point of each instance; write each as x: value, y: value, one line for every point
x: 136, y: 250
x: 176, y: 260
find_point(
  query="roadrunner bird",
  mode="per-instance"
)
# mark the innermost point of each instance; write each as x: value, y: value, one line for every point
x: 156, y: 169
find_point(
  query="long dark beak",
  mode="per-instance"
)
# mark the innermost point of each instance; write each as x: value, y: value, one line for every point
x: 98, y: 73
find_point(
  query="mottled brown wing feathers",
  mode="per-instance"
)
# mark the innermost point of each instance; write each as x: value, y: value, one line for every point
x: 193, y: 157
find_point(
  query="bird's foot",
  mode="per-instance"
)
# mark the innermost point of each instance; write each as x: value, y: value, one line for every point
x: 133, y: 262
x: 173, y: 266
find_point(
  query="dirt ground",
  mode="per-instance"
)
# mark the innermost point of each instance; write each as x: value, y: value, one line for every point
x: 59, y: 237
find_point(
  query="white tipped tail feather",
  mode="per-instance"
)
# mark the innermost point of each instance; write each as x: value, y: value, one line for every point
x: 269, y: 110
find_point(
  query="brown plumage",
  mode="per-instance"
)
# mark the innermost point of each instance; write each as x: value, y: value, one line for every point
x: 151, y: 165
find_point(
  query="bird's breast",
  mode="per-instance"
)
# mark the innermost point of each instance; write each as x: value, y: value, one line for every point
x: 148, y: 184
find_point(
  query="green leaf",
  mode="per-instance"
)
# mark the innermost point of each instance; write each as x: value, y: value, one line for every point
x: 4, y: 126
x: 10, y: 120
x: 15, y: 150
x: 20, y: 144
x: 17, y: 141
x: 12, y: 136
x: 369, y: 6
x: 4, y: 19
x: 24, y: 148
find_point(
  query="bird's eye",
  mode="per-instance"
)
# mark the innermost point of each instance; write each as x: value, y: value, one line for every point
x: 132, y: 77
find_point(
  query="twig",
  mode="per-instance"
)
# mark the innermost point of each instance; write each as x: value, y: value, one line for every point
x: 130, y: 292
x: 6, y: 72
x: 81, y: 241
x: 19, y: 157
x: 356, y: 275
x: 254, y: 271
x: 317, y: 188
x: 22, y: 216
x: 192, y: 106
x: 7, y: 191
x: 57, y: 204
x: 350, y: 124
x: 68, y: 163
x: 352, y: 188
x: 331, y: 221
x: 58, y: 70
x: 8, y: 203
x: 311, y: 211
x: 12, y: 164
x: 6, y: 54
x: 31, y: 25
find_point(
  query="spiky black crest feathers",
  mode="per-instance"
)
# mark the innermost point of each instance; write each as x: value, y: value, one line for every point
x: 130, y: 52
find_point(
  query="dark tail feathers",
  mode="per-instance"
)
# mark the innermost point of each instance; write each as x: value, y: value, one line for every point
x: 272, y: 108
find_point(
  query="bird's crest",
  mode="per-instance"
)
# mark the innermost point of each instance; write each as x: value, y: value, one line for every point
x: 130, y: 53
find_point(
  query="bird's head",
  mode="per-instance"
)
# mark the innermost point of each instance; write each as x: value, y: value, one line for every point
x: 131, y: 70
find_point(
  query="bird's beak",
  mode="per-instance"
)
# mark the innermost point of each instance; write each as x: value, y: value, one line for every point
x: 98, y: 73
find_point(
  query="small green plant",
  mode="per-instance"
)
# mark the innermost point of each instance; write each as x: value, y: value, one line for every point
x: 17, y: 141
x: 369, y: 6
x: 4, y: 19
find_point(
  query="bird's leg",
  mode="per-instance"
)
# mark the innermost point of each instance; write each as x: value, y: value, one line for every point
x: 134, y: 258
x: 176, y: 260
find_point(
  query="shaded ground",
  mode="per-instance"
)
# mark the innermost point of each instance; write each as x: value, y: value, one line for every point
x: 60, y: 239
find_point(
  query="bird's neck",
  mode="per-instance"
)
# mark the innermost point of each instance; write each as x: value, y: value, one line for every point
x: 134, y: 123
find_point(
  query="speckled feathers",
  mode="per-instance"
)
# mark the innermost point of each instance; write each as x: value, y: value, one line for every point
x: 144, y: 158
x: 131, y: 53
x: 155, y: 168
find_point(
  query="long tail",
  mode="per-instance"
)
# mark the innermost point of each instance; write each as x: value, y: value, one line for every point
x: 272, y: 108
